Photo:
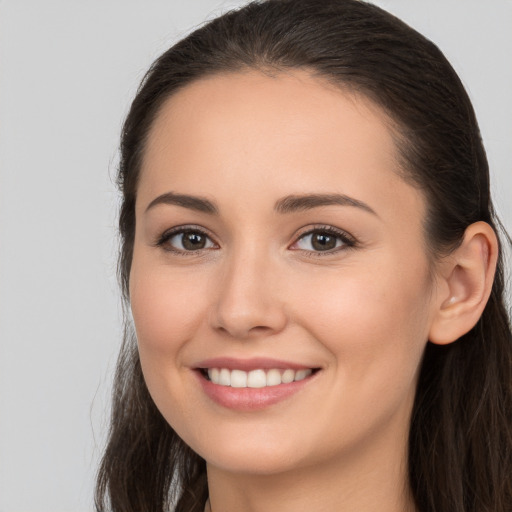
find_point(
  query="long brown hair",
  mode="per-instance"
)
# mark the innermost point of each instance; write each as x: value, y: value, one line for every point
x: 460, y: 443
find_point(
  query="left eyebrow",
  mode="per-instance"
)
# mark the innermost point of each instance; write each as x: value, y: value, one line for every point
x: 290, y: 204
x: 200, y: 204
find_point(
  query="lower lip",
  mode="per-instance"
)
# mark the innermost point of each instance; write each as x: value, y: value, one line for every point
x: 251, y: 399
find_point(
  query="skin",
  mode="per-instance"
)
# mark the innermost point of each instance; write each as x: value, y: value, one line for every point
x: 361, y: 314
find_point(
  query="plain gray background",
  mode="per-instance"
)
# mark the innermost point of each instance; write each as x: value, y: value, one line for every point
x: 68, y: 71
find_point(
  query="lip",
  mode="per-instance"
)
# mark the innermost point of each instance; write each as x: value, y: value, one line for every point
x: 255, y: 363
x: 250, y: 399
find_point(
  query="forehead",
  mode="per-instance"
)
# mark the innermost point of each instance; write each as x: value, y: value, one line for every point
x: 248, y: 133
x: 247, y: 108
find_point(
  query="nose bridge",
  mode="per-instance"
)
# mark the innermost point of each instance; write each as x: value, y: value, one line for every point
x: 248, y: 302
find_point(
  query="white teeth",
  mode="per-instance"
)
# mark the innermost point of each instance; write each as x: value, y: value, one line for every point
x: 213, y: 373
x: 238, y: 379
x: 273, y: 378
x: 302, y: 374
x: 224, y: 377
x: 256, y: 378
x: 288, y: 376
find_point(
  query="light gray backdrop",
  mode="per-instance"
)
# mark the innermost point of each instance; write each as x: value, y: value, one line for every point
x: 68, y: 70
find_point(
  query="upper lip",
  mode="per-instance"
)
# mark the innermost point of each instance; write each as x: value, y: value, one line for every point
x: 254, y: 363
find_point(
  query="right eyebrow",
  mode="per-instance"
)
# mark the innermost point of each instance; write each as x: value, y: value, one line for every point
x: 290, y: 204
x: 200, y: 204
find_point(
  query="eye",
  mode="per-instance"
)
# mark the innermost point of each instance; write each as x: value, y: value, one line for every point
x: 327, y: 239
x: 186, y: 240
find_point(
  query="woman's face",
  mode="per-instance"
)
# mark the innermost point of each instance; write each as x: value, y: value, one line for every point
x: 274, y: 235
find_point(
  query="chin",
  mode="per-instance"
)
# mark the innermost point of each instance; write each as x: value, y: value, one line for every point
x: 253, y: 463
x: 258, y: 455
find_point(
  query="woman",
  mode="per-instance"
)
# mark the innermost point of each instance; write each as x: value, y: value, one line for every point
x: 311, y: 258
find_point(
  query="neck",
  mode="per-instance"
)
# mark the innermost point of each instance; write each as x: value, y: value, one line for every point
x: 373, y: 480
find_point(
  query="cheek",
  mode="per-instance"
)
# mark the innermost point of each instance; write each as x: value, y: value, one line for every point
x: 167, y: 307
x: 167, y: 311
x: 373, y: 320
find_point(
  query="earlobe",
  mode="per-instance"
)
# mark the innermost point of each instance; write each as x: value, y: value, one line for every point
x: 466, y: 277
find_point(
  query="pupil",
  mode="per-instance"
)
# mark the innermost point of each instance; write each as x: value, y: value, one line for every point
x: 193, y: 241
x: 323, y: 241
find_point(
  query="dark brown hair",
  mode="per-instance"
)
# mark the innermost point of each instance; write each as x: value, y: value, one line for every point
x: 460, y: 444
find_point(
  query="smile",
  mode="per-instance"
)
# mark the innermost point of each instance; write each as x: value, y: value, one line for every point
x: 253, y: 384
x: 258, y: 378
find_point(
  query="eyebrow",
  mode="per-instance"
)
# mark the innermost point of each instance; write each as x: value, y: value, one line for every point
x: 294, y: 203
x: 288, y: 204
x: 200, y: 204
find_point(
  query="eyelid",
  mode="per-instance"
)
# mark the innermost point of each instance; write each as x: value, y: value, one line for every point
x: 348, y: 240
x: 185, y: 228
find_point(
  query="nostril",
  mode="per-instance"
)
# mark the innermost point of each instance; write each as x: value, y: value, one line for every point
x: 242, y: 313
x: 260, y: 328
x: 243, y: 332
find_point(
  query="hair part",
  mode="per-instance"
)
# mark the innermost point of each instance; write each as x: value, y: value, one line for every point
x: 460, y: 445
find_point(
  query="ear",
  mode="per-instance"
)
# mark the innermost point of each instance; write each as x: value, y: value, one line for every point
x: 464, y: 283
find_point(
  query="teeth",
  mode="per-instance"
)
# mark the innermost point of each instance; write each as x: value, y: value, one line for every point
x: 288, y: 376
x: 273, y: 378
x: 225, y: 377
x: 214, y: 374
x: 238, y: 379
x: 256, y: 378
x: 302, y: 374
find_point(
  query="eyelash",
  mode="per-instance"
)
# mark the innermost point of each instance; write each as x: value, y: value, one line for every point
x: 181, y: 230
x: 348, y: 241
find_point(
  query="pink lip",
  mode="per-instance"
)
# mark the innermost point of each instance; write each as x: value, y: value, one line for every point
x: 249, y: 399
x: 249, y: 364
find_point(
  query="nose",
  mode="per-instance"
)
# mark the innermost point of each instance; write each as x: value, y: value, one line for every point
x: 248, y: 300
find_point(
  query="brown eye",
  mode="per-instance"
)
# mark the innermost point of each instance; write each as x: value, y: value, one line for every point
x: 187, y: 241
x: 323, y: 240
x: 193, y: 241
